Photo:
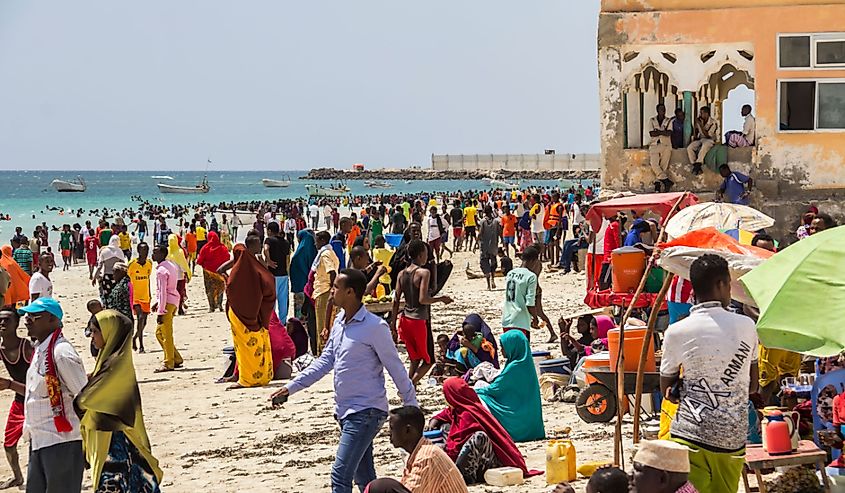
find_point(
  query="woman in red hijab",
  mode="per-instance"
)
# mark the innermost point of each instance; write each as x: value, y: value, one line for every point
x: 213, y: 255
x: 251, y: 295
x: 476, y: 441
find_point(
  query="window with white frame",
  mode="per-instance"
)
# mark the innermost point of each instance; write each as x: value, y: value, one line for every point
x: 810, y: 105
x: 811, y: 51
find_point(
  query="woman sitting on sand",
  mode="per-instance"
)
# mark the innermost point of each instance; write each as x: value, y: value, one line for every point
x: 111, y: 420
x: 513, y: 397
x: 474, y: 439
x: 473, y: 344
x: 251, y: 296
x: 212, y: 256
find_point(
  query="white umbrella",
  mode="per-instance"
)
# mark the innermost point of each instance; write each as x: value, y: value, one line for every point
x: 717, y: 215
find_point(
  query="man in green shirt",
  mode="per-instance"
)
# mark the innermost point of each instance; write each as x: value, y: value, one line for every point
x: 520, y: 293
x: 64, y: 246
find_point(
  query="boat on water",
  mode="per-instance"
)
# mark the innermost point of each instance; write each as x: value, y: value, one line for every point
x: 321, y: 191
x: 245, y: 217
x: 503, y: 184
x: 271, y: 183
x: 377, y: 184
x: 202, y: 187
x: 77, y: 185
x: 161, y: 177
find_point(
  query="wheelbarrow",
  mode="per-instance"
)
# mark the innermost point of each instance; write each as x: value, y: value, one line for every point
x: 597, y: 403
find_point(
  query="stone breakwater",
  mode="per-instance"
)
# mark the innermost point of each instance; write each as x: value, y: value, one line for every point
x: 429, y: 174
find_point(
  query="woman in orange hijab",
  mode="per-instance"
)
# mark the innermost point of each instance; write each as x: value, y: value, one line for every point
x: 19, y: 288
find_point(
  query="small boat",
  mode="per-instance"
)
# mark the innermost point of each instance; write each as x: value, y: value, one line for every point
x: 245, y: 217
x: 69, y: 186
x: 162, y: 177
x: 271, y: 183
x: 202, y: 187
x: 503, y: 184
x: 377, y: 184
x: 321, y: 191
x: 408, y: 182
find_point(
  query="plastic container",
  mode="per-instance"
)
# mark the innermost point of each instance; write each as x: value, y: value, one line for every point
x: 654, y: 281
x: 598, y: 361
x: 560, y: 462
x: 633, y: 348
x: 628, y: 267
x: 776, y: 435
x: 393, y: 239
x: 435, y: 436
x: 539, y: 357
x: 559, y: 366
x: 503, y: 476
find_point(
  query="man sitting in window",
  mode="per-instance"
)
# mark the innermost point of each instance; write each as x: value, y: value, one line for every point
x: 748, y: 135
x: 705, y: 135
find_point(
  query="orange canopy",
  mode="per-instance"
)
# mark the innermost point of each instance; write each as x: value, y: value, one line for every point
x: 712, y: 239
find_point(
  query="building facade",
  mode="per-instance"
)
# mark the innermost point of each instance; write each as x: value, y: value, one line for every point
x: 693, y: 53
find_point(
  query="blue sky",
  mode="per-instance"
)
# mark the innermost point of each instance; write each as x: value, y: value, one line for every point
x: 292, y: 85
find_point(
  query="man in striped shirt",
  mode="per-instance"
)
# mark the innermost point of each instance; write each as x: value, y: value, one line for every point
x: 429, y: 469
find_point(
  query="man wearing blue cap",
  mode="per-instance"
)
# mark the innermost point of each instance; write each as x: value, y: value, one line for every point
x: 55, y: 377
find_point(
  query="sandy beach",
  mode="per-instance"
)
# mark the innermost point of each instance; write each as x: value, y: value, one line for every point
x: 213, y: 440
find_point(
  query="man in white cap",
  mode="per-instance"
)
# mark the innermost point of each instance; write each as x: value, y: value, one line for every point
x: 662, y: 466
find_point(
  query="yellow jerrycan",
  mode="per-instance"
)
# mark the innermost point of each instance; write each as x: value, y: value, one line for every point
x: 560, y: 462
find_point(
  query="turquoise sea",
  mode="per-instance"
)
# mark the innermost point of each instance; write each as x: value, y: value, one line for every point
x: 25, y: 195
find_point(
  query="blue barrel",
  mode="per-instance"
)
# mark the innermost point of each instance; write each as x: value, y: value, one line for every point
x: 559, y: 366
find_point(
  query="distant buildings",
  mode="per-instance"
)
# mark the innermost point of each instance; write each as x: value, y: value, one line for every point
x: 516, y: 162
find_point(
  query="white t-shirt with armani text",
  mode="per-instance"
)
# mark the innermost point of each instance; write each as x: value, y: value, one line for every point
x: 715, y: 348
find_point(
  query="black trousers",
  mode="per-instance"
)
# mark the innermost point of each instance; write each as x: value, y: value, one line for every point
x: 56, y: 469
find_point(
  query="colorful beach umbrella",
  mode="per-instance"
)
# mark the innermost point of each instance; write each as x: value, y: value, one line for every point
x: 719, y: 215
x: 677, y: 256
x: 800, y: 292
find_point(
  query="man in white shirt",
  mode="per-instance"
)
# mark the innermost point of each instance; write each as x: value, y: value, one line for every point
x: 717, y: 351
x: 327, y: 216
x: 705, y: 136
x: 56, y: 459
x: 748, y: 136
x: 660, y: 149
x: 40, y: 285
x: 314, y: 212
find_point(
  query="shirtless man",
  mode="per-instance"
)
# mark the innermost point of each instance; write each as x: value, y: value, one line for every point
x: 16, y: 354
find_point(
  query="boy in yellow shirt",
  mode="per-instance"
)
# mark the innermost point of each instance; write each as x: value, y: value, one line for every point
x: 383, y: 255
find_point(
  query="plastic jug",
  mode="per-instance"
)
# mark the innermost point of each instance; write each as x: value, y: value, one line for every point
x: 791, y: 418
x: 560, y: 462
x: 776, y: 434
x: 503, y: 476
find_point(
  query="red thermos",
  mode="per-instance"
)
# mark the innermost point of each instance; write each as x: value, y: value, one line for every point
x: 777, y: 437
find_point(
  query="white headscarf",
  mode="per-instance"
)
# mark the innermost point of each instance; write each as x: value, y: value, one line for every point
x: 112, y: 250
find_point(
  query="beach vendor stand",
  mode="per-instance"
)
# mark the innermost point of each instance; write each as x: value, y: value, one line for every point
x: 665, y: 205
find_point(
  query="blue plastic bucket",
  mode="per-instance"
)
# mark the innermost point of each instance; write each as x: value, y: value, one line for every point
x: 559, y: 366
x: 393, y: 239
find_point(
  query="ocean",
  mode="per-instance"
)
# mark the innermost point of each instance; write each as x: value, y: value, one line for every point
x: 26, y: 195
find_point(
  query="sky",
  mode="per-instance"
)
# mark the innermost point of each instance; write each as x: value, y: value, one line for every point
x: 263, y: 84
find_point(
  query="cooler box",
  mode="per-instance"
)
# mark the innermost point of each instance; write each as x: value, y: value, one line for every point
x: 559, y: 366
x: 628, y: 267
x: 539, y: 357
x: 633, y: 347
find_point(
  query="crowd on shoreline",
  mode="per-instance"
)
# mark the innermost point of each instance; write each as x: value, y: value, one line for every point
x: 309, y: 257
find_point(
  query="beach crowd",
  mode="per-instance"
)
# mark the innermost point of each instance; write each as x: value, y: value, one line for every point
x: 300, y: 291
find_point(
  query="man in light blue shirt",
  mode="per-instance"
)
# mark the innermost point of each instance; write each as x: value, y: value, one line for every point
x: 359, y: 349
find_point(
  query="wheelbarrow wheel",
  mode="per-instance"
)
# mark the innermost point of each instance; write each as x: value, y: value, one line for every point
x: 596, y: 404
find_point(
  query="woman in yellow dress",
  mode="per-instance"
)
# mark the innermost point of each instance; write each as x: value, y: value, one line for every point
x: 251, y: 296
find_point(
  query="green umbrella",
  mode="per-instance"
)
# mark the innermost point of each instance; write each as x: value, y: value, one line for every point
x: 801, y: 295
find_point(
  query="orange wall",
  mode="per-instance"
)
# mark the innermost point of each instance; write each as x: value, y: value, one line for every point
x: 666, y: 5
x: 821, y: 154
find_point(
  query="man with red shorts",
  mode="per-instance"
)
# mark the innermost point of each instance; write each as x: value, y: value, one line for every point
x: 16, y: 354
x: 414, y: 321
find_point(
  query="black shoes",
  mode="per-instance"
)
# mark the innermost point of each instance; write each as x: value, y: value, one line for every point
x: 667, y: 185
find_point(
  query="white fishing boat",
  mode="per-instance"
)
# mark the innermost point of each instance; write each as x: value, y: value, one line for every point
x: 202, y: 187
x: 271, y: 183
x: 503, y: 184
x: 377, y: 184
x: 245, y: 217
x: 69, y: 186
x: 321, y: 191
x: 161, y: 177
